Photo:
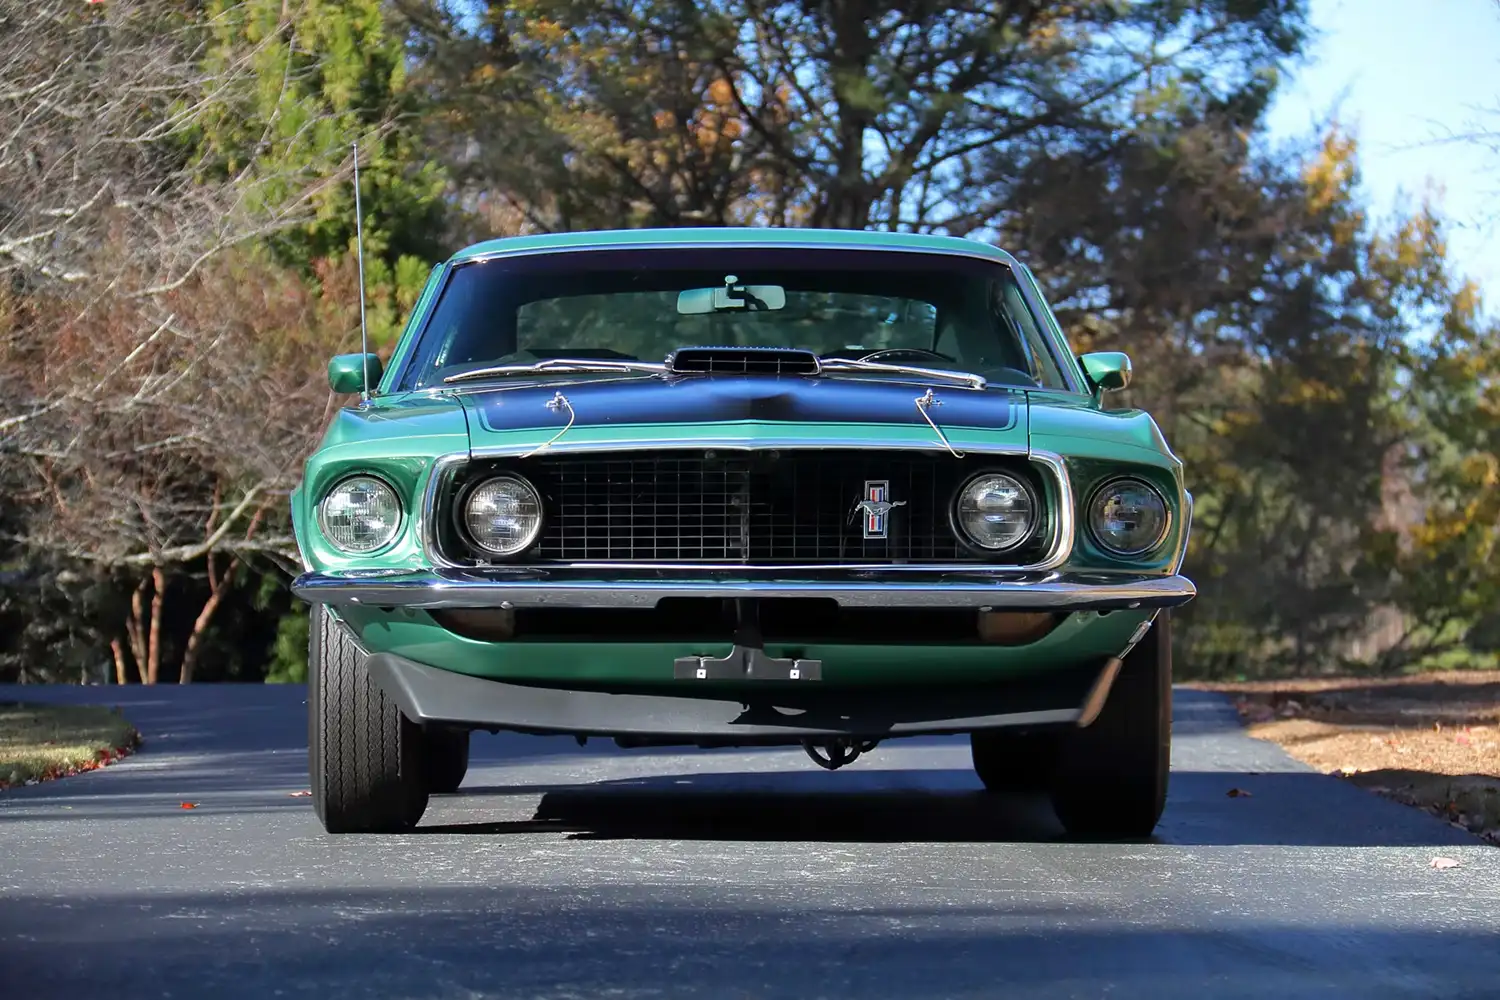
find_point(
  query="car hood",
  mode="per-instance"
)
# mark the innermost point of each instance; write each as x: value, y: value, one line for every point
x: 729, y: 410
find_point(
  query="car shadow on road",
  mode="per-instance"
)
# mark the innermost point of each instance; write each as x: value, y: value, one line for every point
x: 637, y: 810
x: 1204, y: 808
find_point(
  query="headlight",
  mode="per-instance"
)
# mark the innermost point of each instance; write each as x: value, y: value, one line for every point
x: 995, y: 511
x: 1128, y: 517
x: 360, y: 514
x: 503, y: 515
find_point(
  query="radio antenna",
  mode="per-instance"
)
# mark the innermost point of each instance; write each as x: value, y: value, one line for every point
x: 359, y: 249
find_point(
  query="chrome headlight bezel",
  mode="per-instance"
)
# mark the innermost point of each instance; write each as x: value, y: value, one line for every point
x: 461, y: 516
x: 1135, y: 481
x: 1038, y: 515
x: 344, y: 481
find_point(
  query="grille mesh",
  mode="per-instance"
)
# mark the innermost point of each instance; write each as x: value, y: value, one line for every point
x: 793, y: 507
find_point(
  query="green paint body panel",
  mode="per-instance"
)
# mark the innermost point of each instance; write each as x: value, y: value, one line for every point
x: 833, y: 239
x: 397, y: 439
x: 401, y: 436
x: 350, y: 373
x: 1080, y: 639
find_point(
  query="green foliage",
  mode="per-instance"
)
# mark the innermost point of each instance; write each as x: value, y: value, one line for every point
x: 328, y: 72
x: 846, y: 113
x: 288, y: 663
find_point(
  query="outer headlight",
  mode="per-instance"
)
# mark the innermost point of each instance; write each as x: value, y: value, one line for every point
x: 995, y: 511
x: 503, y: 515
x: 360, y: 514
x: 1128, y: 517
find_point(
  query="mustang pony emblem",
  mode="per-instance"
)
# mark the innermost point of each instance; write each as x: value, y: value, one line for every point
x: 876, y: 507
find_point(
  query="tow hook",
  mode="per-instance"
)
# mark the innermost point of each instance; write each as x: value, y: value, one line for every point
x: 834, y: 754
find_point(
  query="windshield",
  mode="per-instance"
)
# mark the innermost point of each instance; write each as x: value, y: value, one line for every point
x: 894, y: 307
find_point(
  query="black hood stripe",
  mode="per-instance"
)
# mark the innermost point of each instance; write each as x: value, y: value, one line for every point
x: 718, y: 398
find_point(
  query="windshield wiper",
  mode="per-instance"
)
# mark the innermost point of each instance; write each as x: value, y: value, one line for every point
x: 850, y: 365
x: 565, y: 365
x: 561, y: 365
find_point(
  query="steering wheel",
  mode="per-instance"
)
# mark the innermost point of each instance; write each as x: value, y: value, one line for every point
x: 911, y: 352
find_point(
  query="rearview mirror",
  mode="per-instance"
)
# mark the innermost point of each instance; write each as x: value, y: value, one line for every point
x: 1108, y: 370
x: 696, y: 301
x: 349, y: 373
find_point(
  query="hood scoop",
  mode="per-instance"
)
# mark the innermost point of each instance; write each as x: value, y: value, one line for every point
x: 742, y: 361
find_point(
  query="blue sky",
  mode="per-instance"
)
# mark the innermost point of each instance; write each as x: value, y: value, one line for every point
x: 1401, y: 74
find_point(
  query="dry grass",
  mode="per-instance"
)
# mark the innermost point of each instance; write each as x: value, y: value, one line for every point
x: 40, y: 742
x: 1432, y: 741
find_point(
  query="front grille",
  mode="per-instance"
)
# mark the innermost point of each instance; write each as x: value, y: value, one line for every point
x: 794, y: 507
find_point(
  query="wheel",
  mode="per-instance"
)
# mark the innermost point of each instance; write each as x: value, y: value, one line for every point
x: 446, y: 759
x: 1014, y: 762
x: 1111, y: 779
x: 364, y: 757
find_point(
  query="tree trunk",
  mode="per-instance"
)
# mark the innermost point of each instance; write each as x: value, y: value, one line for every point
x: 118, y: 649
x: 153, y: 655
x: 200, y: 627
x: 138, y: 630
x: 135, y: 628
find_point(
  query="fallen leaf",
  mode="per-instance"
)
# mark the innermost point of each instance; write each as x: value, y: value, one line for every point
x: 1238, y: 793
x: 299, y: 795
x: 1442, y: 863
x: 190, y: 805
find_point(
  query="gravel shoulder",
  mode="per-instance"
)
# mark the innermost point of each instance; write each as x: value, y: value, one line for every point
x: 1431, y: 741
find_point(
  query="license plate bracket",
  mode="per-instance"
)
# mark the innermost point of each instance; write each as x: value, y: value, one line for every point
x: 746, y: 663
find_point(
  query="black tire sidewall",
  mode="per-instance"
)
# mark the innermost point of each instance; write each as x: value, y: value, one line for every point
x: 365, y: 759
x: 1112, y: 776
x: 1015, y: 762
x: 447, y: 759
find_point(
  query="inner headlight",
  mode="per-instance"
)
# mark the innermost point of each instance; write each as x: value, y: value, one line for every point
x: 1128, y: 517
x: 360, y: 514
x: 995, y: 511
x: 503, y: 515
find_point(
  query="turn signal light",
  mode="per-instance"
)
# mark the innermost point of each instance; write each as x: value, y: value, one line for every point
x: 1016, y: 628
x: 480, y: 624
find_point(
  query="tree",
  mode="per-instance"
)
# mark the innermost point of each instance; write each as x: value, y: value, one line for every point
x: 160, y: 372
x: 844, y: 114
x: 325, y: 73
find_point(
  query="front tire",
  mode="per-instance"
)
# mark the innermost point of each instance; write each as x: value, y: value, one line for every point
x: 447, y: 760
x: 1014, y: 762
x: 1111, y: 779
x: 365, y: 758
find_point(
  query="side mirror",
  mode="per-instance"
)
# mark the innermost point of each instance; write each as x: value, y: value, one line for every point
x: 1108, y: 370
x: 347, y: 373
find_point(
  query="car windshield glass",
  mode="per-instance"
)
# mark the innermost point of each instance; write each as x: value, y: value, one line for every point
x: 925, y: 310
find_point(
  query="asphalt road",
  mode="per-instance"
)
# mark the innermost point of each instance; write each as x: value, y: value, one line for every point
x: 568, y: 872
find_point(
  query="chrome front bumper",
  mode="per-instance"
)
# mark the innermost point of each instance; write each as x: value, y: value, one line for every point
x: 534, y: 587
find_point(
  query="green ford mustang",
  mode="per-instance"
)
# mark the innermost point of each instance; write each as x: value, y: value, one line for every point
x: 737, y: 487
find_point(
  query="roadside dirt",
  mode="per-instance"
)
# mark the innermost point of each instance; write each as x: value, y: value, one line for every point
x: 1431, y: 741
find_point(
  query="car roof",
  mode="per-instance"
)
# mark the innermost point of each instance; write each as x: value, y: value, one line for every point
x: 731, y: 236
